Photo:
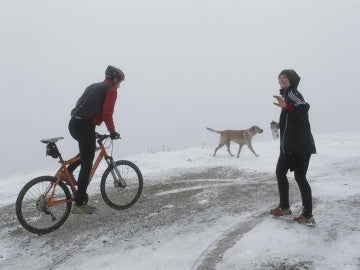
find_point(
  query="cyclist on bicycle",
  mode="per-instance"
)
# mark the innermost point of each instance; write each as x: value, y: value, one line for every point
x: 96, y: 105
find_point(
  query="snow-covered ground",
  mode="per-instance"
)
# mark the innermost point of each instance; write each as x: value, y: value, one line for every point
x: 201, y: 212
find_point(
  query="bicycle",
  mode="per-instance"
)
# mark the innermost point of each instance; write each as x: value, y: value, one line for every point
x: 44, y: 203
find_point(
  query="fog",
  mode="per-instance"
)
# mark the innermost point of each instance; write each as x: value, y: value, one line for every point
x: 188, y: 64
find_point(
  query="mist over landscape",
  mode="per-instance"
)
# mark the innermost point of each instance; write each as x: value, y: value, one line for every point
x: 188, y: 65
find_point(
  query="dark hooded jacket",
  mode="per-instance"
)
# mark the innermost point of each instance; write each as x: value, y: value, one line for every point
x: 295, y: 131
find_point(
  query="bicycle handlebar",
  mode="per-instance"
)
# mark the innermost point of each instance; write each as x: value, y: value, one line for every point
x: 101, y: 137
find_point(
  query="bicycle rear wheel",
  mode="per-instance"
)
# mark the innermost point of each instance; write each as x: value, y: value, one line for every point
x: 113, y: 193
x: 32, y: 209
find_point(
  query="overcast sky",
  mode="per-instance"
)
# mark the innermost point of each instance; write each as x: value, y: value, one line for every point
x: 188, y: 64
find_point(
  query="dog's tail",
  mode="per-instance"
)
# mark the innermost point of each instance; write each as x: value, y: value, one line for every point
x: 213, y: 130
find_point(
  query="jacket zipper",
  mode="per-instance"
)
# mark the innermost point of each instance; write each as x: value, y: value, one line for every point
x: 283, y: 139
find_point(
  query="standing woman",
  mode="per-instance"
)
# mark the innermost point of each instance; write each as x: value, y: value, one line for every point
x: 296, y: 146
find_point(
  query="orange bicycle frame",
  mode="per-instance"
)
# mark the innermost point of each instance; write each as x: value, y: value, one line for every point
x: 63, y: 172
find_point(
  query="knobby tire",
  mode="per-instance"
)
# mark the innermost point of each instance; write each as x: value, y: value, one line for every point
x: 117, y: 197
x: 33, y: 213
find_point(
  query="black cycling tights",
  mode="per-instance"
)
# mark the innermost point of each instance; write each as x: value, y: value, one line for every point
x: 84, y: 133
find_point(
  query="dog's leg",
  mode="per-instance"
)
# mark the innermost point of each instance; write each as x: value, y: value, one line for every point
x: 222, y: 142
x: 228, y: 147
x: 217, y: 148
x: 240, y: 146
x: 252, y: 150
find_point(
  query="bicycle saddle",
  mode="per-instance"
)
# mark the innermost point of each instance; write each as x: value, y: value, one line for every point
x: 51, y: 140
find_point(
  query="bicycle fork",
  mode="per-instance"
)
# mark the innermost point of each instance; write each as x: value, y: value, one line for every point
x: 118, y: 180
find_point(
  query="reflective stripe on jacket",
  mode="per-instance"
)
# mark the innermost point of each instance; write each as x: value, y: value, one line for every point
x: 295, y: 130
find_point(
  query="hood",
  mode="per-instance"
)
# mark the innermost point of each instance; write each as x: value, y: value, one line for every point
x: 293, y: 77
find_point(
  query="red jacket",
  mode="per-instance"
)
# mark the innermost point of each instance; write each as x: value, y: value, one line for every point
x: 106, y: 114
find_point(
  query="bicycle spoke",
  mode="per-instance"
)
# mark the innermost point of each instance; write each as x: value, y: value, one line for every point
x: 114, y: 193
x: 32, y: 207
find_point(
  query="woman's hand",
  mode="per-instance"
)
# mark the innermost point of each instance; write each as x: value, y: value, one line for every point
x: 281, y: 102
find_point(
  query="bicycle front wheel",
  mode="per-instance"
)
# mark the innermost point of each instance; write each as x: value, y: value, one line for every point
x: 117, y: 195
x: 42, y: 206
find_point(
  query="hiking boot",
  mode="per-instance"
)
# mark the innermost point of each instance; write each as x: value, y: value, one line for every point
x: 83, y: 209
x: 305, y: 220
x: 278, y: 212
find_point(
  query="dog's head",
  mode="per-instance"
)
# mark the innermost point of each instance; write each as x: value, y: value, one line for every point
x: 255, y: 129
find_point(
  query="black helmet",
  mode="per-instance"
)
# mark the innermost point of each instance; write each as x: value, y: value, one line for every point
x: 114, y: 72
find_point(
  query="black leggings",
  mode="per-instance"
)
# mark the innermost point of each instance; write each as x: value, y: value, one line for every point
x: 298, y: 163
x: 84, y: 133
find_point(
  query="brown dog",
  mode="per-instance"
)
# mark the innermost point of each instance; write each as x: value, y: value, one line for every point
x: 240, y: 137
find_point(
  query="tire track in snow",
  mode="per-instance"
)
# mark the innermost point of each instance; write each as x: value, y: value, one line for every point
x: 214, y: 252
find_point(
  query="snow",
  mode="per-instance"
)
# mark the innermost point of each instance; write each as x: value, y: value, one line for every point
x: 245, y: 241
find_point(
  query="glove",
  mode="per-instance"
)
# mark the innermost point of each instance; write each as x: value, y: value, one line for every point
x: 114, y: 135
